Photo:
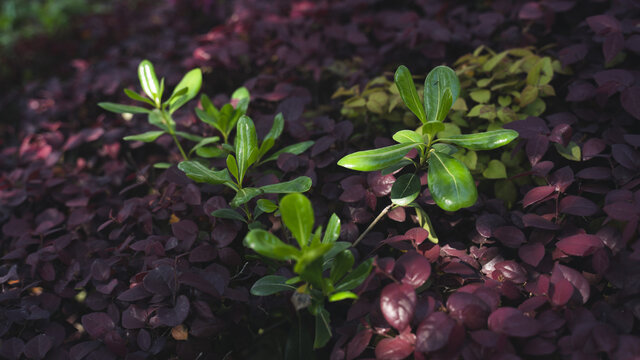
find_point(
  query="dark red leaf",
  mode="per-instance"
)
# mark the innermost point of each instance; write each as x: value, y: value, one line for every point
x: 433, y: 333
x: 380, y: 184
x: 487, y: 222
x: 579, y: 206
x: 353, y: 193
x: 561, y: 292
x: 531, y: 253
x: 529, y: 128
x: 537, y: 221
x: 600, y: 261
x: 97, y: 324
x: 397, y: 303
x: 574, y: 277
x: 512, y: 271
x: 510, y: 236
x: 512, y: 322
x: 537, y: 194
x: 412, y: 269
x: 396, y: 348
x: 562, y: 178
x: 536, y: 148
x: 418, y: 234
x: 468, y: 309
x: 580, y: 245
x: 539, y: 347
x: 185, y: 230
x: 359, y: 342
x: 561, y: 134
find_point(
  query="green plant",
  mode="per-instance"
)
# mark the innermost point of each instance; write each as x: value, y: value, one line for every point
x: 316, y: 253
x: 160, y: 115
x: 449, y: 180
x: 245, y: 155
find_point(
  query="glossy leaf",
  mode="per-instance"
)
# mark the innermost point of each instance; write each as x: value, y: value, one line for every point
x: 137, y: 97
x: 434, y: 331
x: 482, y: 141
x: 297, y: 216
x: 332, y: 233
x: 323, y: 328
x: 295, y: 149
x: 343, y: 295
x: 405, y: 189
x: 377, y: 159
x: 356, y: 277
x: 297, y: 185
x: 242, y: 96
x: 204, y: 142
x: 432, y: 128
x: 266, y: 205
x: 407, y: 136
x: 512, y: 322
x: 228, y: 214
x: 412, y: 269
x: 436, y: 103
x: 580, y: 245
x: 149, y: 81
x: 122, y: 109
x: 268, y: 245
x: 147, y: 137
x: 341, y: 265
x: 269, y: 285
x: 398, y: 303
x: 396, y: 348
x: 232, y: 166
x: 408, y: 93
x: 244, y: 195
x: 273, y: 134
x: 450, y: 182
x: 200, y: 173
x: 192, y: 81
x: 246, y: 143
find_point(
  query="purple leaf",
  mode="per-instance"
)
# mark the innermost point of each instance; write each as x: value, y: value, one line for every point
x: 612, y: 45
x: 115, y: 343
x: 48, y: 219
x: 561, y: 292
x: 433, y: 333
x: 359, y: 342
x: 12, y: 348
x: 531, y: 11
x: 562, y: 179
x: 574, y: 277
x: 412, y: 269
x: 537, y: 194
x: 134, y: 317
x: 539, y: 222
x: 579, y: 206
x: 79, y: 351
x: 531, y: 253
x: 380, y: 184
x: 625, y: 155
x: 134, y: 294
x: 572, y: 54
x: 539, y: 347
x: 580, y: 90
x: 592, y: 147
x: 396, y: 348
x: 176, y: 315
x: 510, y: 236
x: 580, y: 245
x: 536, y: 148
x: 144, y: 339
x: 397, y: 303
x: 468, y: 309
x: 561, y: 134
x: 97, y: 324
x: 512, y: 322
x: 487, y: 222
x: 185, y: 230
x: 512, y: 271
x: 630, y: 100
x: 604, y: 24
x: 158, y: 280
x: 529, y: 128
x: 594, y: 173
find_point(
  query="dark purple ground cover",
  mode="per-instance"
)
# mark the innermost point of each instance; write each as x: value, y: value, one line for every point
x: 104, y: 257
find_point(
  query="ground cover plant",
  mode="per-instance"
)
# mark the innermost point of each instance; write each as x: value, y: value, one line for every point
x: 103, y: 255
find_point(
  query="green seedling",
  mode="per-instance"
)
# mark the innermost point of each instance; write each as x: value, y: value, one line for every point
x: 449, y: 180
x: 245, y: 155
x: 225, y: 118
x: 315, y: 254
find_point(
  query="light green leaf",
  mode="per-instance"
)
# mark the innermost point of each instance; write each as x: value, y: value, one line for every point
x: 436, y: 103
x: 405, y: 189
x: 343, y: 295
x: 244, y: 195
x: 295, y: 149
x: 149, y: 81
x: 122, y: 109
x: 297, y: 185
x: 449, y: 130
x: 162, y: 165
x: 341, y: 265
x: 242, y: 95
x: 188, y: 136
x: 232, y: 166
x: 162, y: 120
x: 356, y: 277
x: 408, y: 93
x: 571, y: 152
x: 210, y: 152
x: 272, y: 135
x: 297, y: 216
x: 450, y: 182
x: 267, y: 205
x: 445, y: 148
x: 268, y: 245
x: 323, y: 329
x: 200, y: 173
x: 495, y: 170
x: 376, y: 159
x: 137, y: 97
x: 192, y: 81
x: 246, y: 143
x: 481, y: 96
x: 228, y: 214
x: 269, y: 285
x: 431, y: 128
x: 407, y: 136
x: 482, y: 141
x: 333, y: 230
x: 495, y: 60
x: 147, y: 137
x: 204, y: 142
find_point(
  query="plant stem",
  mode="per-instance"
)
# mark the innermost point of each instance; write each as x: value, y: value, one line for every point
x: 375, y: 221
x: 175, y: 139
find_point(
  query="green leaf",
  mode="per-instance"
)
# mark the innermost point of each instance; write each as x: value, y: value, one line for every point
x: 431, y: 128
x: 192, y: 137
x: 149, y: 81
x: 356, y: 277
x: 295, y: 149
x: 244, y: 195
x: 297, y: 185
x: 436, y: 103
x: 336, y: 248
x: 210, y: 152
x: 376, y: 159
x: 343, y: 295
x: 137, y: 97
x: 495, y: 170
x: 571, y: 152
x: 161, y: 120
x: 268, y: 245
x: 243, y: 97
x: 450, y: 182
x: 481, y: 96
x: 297, y: 216
x: 407, y: 136
x: 405, y: 189
x: 449, y: 130
x: 228, y: 214
x: 204, y: 142
x: 445, y: 148
x: 323, y: 329
x: 495, y: 60
x: 122, y: 109
x: 147, y: 137
x: 272, y: 135
x: 341, y: 265
x: 425, y: 222
x: 266, y: 205
x: 232, y: 166
x: 246, y: 143
x: 482, y: 141
x: 397, y: 166
x: 162, y: 165
x: 192, y: 81
x: 200, y: 173
x: 333, y: 230
x: 408, y: 93
x: 269, y: 285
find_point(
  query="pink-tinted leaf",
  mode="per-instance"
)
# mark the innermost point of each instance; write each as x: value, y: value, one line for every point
x: 380, y: 184
x: 537, y: 194
x: 561, y: 292
x: 574, y: 277
x: 359, y: 342
x: 512, y: 271
x: 397, y: 303
x: 396, y: 348
x: 536, y: 148
x: 433, y: 333
x: 579, y: 206
x: 531, y: 253
x: 512, y: 322
x: 580, y: 245
x: 468, y: 309
x: 418, y: 234
x: 412, y: 269
x: 97, y: 324
x: 510, y: 236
